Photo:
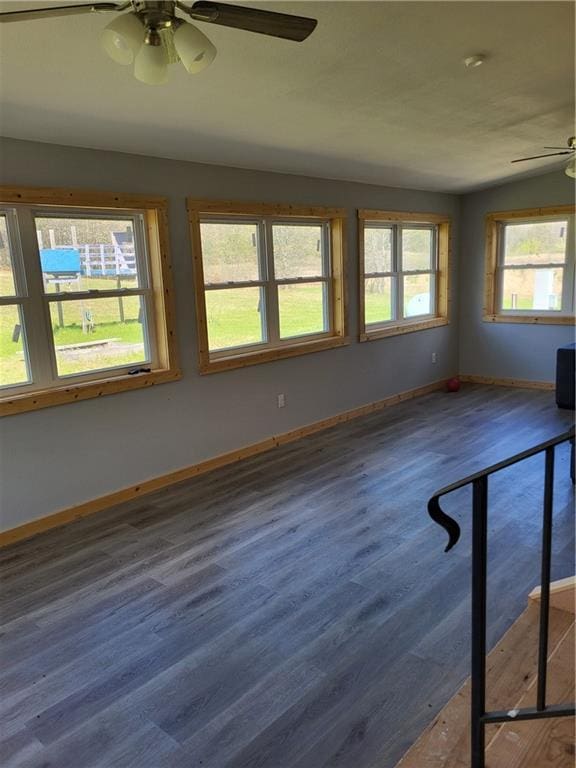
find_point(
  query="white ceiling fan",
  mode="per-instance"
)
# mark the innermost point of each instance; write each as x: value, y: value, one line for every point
x: 570, y: 149
x: 152, y: 36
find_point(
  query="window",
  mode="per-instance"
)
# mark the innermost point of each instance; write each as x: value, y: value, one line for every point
x: 530, y: 266
x: 404, y: 263
x: 268, y: 281
x: 85, y: 296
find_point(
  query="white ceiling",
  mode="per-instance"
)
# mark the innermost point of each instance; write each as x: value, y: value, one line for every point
x: 377, y: 94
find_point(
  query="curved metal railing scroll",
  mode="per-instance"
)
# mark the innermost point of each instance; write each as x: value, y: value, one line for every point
x: 448, y: 523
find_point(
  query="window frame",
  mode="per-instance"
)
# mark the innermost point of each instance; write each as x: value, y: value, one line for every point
x: 48, y: 387
x: 494, y: 267
x: 265, y: 216
x: 441, y: 225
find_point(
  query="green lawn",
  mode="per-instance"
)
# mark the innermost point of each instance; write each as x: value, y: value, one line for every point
x: 234, y: 318
x: 126, y: 345
x: 377, y: 308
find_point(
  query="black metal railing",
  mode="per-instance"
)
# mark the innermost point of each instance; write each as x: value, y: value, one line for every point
x: 479, y: 481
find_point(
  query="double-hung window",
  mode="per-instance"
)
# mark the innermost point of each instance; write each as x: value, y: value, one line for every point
x: 268, y: 281
x: 85, y: 297
x: 403, y: 272
x: 530, y: 266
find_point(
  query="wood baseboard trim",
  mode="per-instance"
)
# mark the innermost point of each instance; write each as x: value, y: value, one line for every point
x: 87, y: 508
x: 521, y: 383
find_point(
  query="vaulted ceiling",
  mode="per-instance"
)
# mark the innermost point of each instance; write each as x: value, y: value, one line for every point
x: 379, y: 92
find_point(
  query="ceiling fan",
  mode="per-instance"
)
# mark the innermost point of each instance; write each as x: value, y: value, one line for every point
x: 570, y: 169
x: 152, y: 36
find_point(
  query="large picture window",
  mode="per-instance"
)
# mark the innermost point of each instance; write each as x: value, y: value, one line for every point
x: 530, y: 266
x: 268, y: 281
x: 85, y: 297
x: 403, y: 272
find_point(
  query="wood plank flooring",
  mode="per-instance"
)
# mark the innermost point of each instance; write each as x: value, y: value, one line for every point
x: 292, y: 611
x: 546, y: 743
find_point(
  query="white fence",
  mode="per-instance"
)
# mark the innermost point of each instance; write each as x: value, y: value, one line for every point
x: 102, y: 260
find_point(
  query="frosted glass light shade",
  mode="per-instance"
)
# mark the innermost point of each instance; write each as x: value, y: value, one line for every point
x: 195, y: 50
x: 122, y: 38
x: 570, y: 169
x: 151, y: 65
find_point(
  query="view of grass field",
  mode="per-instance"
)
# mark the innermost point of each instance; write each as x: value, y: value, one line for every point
x: 389, y: 250
x: 234, y: 317
x: 93, y: 333
x: 233, y: 320
x: 378, y: 298
x: 233, y: 252
x: 72, y: 331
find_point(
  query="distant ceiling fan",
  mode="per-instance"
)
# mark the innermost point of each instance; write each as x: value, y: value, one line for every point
x: 152, y: 36
x: 570, y: 169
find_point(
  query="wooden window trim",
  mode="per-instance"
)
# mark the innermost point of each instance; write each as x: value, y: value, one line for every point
x: 442, y: 316
x: 493, y: 227
x: 156, y: 220
x: 240, y: 359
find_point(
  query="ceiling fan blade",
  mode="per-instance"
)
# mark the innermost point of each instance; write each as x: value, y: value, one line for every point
x: 59, y: 10
x: 565, y: 147
x: 537, y: 157
x: 271, y: 23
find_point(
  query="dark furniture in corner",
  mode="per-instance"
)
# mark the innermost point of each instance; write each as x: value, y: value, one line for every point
x: 566, y: 386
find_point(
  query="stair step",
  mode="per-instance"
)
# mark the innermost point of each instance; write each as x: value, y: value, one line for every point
x: 547, y: 743
x: 562, y: 594
x: 511, y: 669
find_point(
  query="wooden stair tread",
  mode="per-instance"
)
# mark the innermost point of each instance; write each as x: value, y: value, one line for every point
x: 510, y: 672
x: 562, y: 594
x: 547, y: 743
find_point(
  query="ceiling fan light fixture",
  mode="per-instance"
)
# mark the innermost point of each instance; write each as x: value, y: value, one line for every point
x: 122, y: 38
x: 570, y: 169
x: 152, y: 37
x: 151, y: 65
x: 195, y: 50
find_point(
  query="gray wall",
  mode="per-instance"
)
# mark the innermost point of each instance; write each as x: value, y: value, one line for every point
x: 505, y: 350
x: 58, y: 457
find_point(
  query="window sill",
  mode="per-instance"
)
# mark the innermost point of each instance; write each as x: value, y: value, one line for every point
x: 534, y: 319
x: 408, y: 327
x: 45, y: 398
x: 268, y: 355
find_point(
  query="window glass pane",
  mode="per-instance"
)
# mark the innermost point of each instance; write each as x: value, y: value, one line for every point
x: 377, y: 249
x: 7, y: 282
x: 13, y: 362
x: 235, y: 317
x: 542, y: 242
x: 377, y: 300
x: 417, y: 249
x: 229, y: 252
x: 81, y: 254
x: 297, y: 250
x: 91, y: 334
x: 301, y: 309
x: 417, y: 295
x: 532, y: 289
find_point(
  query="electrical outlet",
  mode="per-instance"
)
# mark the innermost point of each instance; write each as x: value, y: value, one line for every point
x: 434, y: 357
x: 281, y: 401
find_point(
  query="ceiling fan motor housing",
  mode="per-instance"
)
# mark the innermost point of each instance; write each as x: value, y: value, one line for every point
x: 159, y: 19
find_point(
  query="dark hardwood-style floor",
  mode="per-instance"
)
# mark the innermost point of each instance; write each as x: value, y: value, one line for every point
x: 293, y: 611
